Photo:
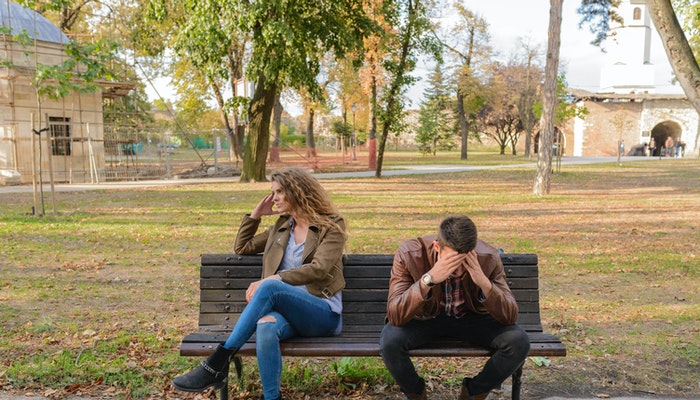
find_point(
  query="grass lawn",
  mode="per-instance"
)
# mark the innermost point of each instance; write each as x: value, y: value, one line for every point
x: 96, y: 298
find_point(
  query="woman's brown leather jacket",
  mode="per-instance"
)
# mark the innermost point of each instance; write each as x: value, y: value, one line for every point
x: 417, y: 256
x: 322, y: 268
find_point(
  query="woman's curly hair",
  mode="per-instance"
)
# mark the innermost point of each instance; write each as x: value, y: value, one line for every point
x: 305, y: 195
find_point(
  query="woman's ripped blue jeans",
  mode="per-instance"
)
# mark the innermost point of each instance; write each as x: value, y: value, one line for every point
x: 277, y: 312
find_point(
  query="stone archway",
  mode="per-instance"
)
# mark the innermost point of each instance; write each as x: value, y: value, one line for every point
x: 661, y: 132
x: 558, y: 141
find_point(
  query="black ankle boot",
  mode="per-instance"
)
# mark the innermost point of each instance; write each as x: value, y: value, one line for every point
x: 212, y: 371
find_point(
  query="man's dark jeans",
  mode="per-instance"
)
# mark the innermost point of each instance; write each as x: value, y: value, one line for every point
x: 510, y: 343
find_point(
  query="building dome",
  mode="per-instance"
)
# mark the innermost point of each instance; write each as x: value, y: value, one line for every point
x: 19, y: 19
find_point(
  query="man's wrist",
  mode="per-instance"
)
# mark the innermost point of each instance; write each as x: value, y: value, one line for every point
x: 427, y: 280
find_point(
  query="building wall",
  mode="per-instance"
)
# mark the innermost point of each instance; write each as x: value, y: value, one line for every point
x: 609, y: 122
x: 677, y: 111
x: 20, y: 112
x: 601, y: 130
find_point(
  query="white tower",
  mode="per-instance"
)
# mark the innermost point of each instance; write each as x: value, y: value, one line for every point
x: 628, y: 69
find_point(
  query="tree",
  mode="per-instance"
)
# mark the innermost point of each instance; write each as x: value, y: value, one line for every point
x: 436, y: 123
x: 410, y: 38
x: 68, y: 15
x: 306, y: 30
x: 679, y: 52
x: 277, y: 126
x: 326, y: 76
x: 528, y: 94
x: 543, y: 176
x: 501, y: 116
x: 341, y: 130
x: 467, y: 42
x: 372, y: 73
x: 688, y: 13
x: 209, y: 41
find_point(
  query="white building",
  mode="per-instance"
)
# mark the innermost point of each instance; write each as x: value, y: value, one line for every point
x: 628, y: 108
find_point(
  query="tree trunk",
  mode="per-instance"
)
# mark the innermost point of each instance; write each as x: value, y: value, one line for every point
x: 276, y: 124
x: 372, y: 159
x: 679, y: 53
x: 258, y: 141
x: 234, y: 150
x: 543, y: 177
x: 463, y: 124
x: 310, y: 145
x: 235, y: 62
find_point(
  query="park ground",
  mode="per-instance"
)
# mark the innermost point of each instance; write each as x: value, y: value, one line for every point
x: 96, y: 297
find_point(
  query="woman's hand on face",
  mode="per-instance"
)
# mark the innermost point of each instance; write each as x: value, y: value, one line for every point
x: 264, y: 207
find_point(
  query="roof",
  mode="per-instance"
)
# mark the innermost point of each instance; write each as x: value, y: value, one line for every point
x: 113, y: 90
x: 19, y: 19
x: 586, y: 95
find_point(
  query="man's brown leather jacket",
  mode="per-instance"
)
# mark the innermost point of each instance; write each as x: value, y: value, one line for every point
x: 417, y: 256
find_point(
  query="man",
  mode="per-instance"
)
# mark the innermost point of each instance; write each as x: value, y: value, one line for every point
x: 451, y: 285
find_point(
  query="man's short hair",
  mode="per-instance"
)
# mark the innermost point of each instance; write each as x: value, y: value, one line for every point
x: 458, y: 232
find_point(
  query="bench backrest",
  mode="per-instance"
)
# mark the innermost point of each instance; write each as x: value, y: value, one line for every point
x: 224, y: 278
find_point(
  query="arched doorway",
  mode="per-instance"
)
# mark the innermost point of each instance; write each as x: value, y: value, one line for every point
x: 558, y: 142
x: 663, y: 131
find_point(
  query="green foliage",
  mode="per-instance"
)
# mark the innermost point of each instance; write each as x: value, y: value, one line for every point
x: 85, y: 64
x: 130, y: 110
x: 566, y: 108
x: 411, y: 38
x: 541, y: 361
x: 598, y: 14
x: 437, y: 121
x: 341, y: 129
x: 352, y: 371
x: 303, y: 376
x: 306, y: 30
x: 293, y: 140
x: 688, y: 13
x: 287, y: 130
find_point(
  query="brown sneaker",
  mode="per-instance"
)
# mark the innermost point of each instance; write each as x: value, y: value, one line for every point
x: 464, y: 394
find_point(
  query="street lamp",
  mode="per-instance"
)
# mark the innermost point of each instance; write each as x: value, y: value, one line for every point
x: 354, y: 138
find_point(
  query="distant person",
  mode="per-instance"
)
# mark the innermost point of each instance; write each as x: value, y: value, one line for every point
x: 302, y: 278
x: 652, y: 146
x: 451, y: 285
x: 669, y: 146
x: 622, y: 148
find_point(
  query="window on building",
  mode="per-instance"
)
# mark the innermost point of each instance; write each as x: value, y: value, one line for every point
x: 637, y: 14
x: 60, y: 136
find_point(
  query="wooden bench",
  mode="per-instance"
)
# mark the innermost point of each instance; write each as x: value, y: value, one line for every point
x: 225, y: 277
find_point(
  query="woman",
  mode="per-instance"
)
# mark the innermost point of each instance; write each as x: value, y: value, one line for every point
x: 302, y: 276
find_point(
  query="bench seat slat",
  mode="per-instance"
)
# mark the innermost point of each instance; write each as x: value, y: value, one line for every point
x: 367, y: 346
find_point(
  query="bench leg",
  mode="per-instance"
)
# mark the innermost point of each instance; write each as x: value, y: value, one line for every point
x: 517, y: 382
x: 238, y: 364
x: 223, y: 392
